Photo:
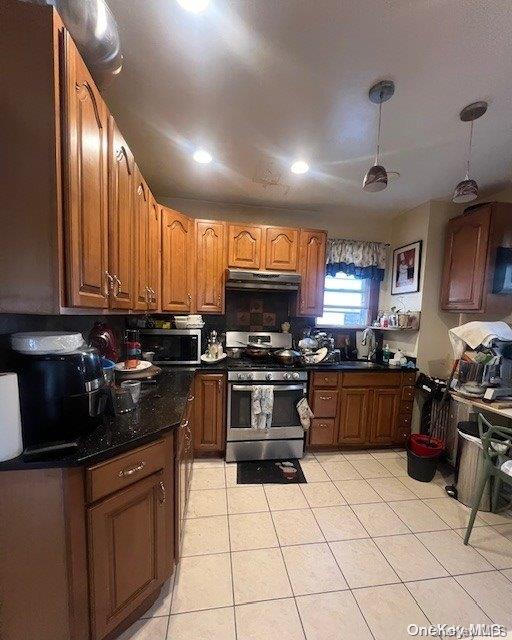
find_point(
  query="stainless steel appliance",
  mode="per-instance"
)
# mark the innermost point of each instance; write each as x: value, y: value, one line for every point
x: 284, y: 438
x: 277, y: 280
x: 172, y: 346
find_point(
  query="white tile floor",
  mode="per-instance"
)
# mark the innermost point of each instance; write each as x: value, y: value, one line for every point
x: 359, y: 552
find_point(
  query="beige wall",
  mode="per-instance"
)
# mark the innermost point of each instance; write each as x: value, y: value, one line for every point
x: 339, y: 223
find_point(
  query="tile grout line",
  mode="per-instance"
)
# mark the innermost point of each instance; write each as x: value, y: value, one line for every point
x: 230, y: 556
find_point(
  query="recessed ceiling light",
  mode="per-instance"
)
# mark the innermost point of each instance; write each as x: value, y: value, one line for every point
x: 202, y: 156
x: 299, y: 166
x: 194, y: 6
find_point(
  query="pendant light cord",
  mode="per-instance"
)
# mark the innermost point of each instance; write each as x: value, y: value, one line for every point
x: 378, y: 133
x: 470, y: 145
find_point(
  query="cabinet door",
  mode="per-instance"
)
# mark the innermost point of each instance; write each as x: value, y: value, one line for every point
x: 465, y: 260
x: 85, y: 187
x: 209, y: 413
x: 211, y: 266
x: 121, y: 218
x: 244, y: 246
x: 325, y: 403
x: 384, y: 415
x: 312, y: 269
x: 140, y: 262
x: 281, y: 248
x: 127, y: 550
x: 154, y: 253
x: 353, y: 416
x: 177, y: 262
x: 322, y: 432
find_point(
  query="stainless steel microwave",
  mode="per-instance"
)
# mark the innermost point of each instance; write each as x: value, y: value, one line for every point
x: 172, y: 346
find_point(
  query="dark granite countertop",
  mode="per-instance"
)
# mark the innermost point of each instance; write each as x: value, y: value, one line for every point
x: 161, y: 409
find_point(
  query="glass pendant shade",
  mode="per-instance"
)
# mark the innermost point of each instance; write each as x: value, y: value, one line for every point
x: 465, y: 191
x: 376, y: 179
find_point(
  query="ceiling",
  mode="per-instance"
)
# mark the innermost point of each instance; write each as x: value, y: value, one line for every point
x: 260, y: 83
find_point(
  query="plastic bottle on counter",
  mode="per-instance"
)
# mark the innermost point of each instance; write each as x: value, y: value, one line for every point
x: 386, y: 353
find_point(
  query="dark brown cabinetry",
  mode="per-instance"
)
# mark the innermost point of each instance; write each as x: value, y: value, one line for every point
x: 354, y: 409
x: 470, y: 261
x: 312, y: 244
x: 245, y: 246
x: 210, y: 391
x: 121, y: 218
x: 140, y: 262
x: 178, y: 261
x: 211, y: 266
x: 281, y: 248
x: 85, y: 185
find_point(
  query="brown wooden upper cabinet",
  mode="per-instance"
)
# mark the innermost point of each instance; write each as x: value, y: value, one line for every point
x: 154, y: 253
x: 472, y: 243
x: 281, y: 248
x: 312, y: 244
x: 121, y: 219
x: 178, y: 260
x: 209, y: 413
x: 245, y: 246
x: 85, y: 185
x: 140, y: 262
x: 211, y: 266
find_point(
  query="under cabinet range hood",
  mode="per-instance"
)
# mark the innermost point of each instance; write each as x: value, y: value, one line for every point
x: 276, y: 280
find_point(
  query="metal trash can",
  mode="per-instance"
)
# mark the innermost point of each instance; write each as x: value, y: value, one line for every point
x: 469, y: 464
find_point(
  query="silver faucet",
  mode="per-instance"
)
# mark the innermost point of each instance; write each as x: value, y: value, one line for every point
x: 368, y: 340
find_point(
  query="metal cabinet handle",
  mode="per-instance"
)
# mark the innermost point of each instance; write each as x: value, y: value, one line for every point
x: 117, y: 285
x: 219, y: 385
x: 185, y: 423
x: 191, y: 399
x: 325, y: 397
x: 189, y: 296
x: 218, y: 300
x: 109, y: 282
x: 129, y: 471
x: 147, y: 294
x: 162, y: 492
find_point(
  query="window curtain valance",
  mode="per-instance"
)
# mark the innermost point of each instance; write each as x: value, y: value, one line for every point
x: 357, y: 258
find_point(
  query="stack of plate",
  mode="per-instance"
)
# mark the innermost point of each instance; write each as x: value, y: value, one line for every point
x: 189, y: 322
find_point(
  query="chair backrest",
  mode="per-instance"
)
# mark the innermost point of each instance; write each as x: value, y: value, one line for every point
x: 496, y: 440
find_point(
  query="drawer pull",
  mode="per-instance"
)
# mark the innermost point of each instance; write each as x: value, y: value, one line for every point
x: 191, y: 399
x: 185, y: 423
x: 325, y: 397
x: 323, y: 425
x: 162, y: 492
x: 129, y: 471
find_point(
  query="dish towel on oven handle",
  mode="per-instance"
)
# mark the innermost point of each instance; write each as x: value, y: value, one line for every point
x: 305, y: 413
x: 262, y: 406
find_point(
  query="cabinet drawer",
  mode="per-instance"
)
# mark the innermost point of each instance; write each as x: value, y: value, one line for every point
x: 372, y: 379
x: 325, y: 379
x: 322, y: 431
x: 405, y: 420
x: 121, y: 471
x: 406, y: 407
x: 407, y: 393
x: 325, y: 403
x: 409, y: 377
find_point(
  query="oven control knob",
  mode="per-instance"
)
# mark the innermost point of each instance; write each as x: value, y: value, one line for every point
x: 241, y: 376
x: 295, y: 376
x: 249, y: 376
x: 287, y: 376
x: 268, y: 376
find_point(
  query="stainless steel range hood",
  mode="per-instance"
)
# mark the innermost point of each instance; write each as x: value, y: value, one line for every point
x: 275, y: 280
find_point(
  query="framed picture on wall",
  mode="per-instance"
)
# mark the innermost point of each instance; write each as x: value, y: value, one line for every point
x: 406, y: 269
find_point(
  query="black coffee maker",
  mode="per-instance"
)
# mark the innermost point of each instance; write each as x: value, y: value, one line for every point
x: 62, y: 398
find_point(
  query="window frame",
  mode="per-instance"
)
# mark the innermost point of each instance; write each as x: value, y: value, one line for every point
x: 371, y: 298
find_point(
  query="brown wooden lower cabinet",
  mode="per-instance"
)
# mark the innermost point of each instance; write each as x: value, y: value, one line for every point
x: 210, y: 400
x: 361, y: 409
x: 127, y: 550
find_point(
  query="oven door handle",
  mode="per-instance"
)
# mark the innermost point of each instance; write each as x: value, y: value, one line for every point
x: 277, y: 387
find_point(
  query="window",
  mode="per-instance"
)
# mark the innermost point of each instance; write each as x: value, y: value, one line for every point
x: 346, y: 302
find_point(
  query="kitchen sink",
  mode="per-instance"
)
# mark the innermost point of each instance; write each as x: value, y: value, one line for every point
x: 361, y: 364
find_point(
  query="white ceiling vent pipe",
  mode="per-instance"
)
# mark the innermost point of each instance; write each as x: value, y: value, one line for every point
x: 94, y: 30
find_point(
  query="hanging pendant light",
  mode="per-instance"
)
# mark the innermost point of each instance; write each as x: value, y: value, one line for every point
x: 467, y: 189
x: 376, y: 178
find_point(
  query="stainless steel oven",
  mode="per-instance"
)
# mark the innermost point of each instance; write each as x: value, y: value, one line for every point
x: 284, y: 438
x: 173, y: 346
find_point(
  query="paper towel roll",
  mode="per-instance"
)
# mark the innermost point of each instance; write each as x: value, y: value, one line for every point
x: 11, y: 444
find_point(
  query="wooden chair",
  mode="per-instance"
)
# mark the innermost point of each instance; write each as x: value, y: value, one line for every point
x: 496, y: 442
